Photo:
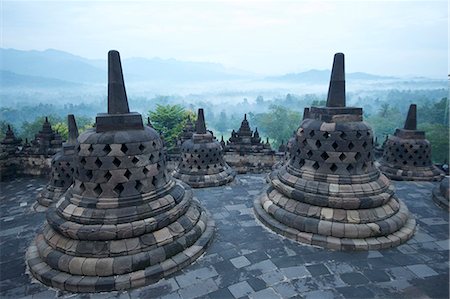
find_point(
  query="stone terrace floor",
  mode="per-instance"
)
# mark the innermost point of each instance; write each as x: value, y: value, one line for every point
x: 246, y: 260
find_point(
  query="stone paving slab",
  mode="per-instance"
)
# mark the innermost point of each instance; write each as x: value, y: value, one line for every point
x: 246, y: 260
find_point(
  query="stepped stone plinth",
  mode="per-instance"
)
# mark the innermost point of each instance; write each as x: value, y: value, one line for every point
x: 10, y: 144
x: 330, y: 194
x: 202, y: 163
x: 63, y: 167
x: 441, y: 194
x: 245, y: 141
x: 9, y: 150
x: 124, y: 222
x: 47, y: 142
x: 407, y: 154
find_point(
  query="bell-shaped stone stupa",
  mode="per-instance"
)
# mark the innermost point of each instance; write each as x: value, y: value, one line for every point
x: 330, y: 194
x: 124, y: 222
x: 407, y: 154
x: 63, y: 166
x: 202, y: 163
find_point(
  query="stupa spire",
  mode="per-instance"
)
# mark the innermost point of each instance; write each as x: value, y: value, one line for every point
x: 73, y: 129
x: 336, y: 91
x: 117, y: 96
x: 411, y: 119
x: 200, y: 126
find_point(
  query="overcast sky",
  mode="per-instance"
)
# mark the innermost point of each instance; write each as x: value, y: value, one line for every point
x: 267, y: 37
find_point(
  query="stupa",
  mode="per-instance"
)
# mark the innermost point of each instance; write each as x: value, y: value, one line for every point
x: 10, y: 144
x: 202, y: 163
x: 9, y: 148
x: 47, y: 142
x: 441, y: 194
x: 330, y: 194
x: 63, y: 167
x: 124, y: 222
x: 407, y: 154
x: 187, y: 131
x: 245, y: 140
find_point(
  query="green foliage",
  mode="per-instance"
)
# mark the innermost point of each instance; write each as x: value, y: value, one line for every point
x: 169, y: 121
x: 278, y: 124
x: 318, y: 103
x: 62, y: 129
x: 434, y: 114
x: 385, y: 121
x: 438, y: 135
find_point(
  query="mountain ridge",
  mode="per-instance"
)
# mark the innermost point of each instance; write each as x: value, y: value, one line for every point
x: 73, y: 69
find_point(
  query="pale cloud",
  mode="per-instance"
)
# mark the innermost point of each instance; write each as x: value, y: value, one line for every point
x: 384, y: 37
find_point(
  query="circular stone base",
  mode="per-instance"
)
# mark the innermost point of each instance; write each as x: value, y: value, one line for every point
x: 431, y: 173
x: 440, y: 200
x: 329, y: 242
x: 90, y: 284
x: 49, y: 195
x: 205, y: 181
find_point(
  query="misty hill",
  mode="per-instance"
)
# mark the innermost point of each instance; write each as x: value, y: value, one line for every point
x: 50, y: 64
x: 67, y: 67
x: 323, y: 76
x: 10, y: 79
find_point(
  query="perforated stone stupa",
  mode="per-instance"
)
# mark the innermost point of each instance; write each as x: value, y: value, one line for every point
x: 441, y: 194
x: 63, y: 167
x: 245, y: 140
x: 202, y: 163
x: 330, y: 194
x: 407, y: 153
x: 124, y: 222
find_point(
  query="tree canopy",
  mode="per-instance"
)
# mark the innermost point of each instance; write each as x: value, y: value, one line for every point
x: 169, y: 121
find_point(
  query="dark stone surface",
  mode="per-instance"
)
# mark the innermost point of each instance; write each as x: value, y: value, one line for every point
x: 336, y: 90
x: 411, y: 119
x: 391, y: 273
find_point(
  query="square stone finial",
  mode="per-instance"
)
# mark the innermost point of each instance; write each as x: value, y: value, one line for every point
x: 73, y: 129
x: 119, y: 117
x: 411, y: 119
x: 200, y: 126
x: 117, y: 96
x: 336, y: 91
